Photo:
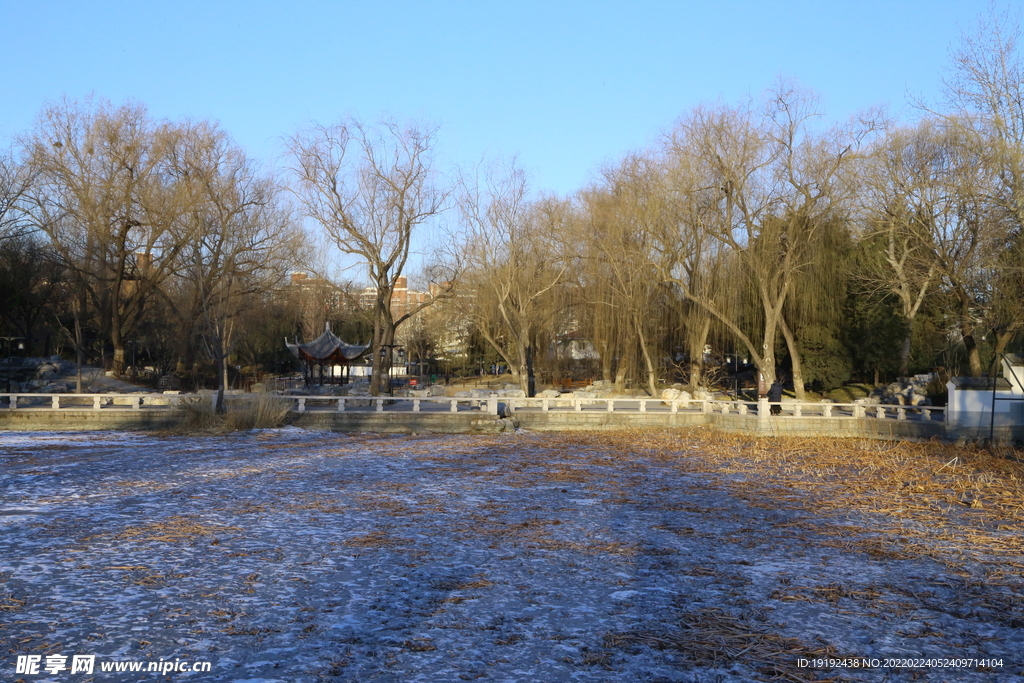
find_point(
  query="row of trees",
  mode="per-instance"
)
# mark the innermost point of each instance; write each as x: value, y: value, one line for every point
x: 753, y: 229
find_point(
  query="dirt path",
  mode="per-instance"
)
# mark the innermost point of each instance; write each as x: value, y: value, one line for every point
x: 294, y: 556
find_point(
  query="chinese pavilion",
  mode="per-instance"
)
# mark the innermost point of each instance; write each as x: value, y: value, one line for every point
x: 326, y: 351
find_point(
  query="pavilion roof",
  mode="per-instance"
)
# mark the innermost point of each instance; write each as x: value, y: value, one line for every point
x: 327, y: 347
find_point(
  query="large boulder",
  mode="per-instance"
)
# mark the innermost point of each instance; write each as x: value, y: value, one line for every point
x: 670, y: 394
x: 512, y: 393
x: 437, y: 390
x: 549, y: 393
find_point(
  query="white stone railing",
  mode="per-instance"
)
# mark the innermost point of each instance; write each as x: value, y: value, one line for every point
x: 760, y: 408
x: 490, y: 405
x: 300, y: 404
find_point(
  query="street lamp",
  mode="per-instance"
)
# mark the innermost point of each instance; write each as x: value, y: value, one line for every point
x: 10, y: 343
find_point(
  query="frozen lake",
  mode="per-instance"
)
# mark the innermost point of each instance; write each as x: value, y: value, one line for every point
x: 292, y: 556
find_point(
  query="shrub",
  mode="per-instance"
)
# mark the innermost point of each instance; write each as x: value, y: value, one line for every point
x: 197, y: 416
x: 262, y: 412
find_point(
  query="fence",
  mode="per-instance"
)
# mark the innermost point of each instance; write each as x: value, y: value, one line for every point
x: 490, y: 404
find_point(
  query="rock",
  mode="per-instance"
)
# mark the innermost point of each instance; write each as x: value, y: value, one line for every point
x: 481, y: 393
x: 512, y: 393
x: 549, y: 393
x: 47, y: 371
x: 670, y: 394
x: 602, y: 384
x: 702, y: 395
x: 418, y: 393
x: 463, y: 394
x: 437, y: 390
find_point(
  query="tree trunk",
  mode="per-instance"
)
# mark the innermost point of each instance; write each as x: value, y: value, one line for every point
x: 652, y: 379
x: 696, y: 351
x: 973, y: 354
x: 606, y: 362
x: 905, y: 353
x: 794, y: 356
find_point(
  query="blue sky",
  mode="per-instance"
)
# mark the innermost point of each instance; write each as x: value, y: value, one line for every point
x: 566, y: 86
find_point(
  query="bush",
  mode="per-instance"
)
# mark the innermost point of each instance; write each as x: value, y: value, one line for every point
x: 197, y: 416
x: 263, y: 412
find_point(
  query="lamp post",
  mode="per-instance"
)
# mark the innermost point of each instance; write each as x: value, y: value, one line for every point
x: 10, y: 343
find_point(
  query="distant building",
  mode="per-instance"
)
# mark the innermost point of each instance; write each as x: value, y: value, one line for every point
x: 403, y: 299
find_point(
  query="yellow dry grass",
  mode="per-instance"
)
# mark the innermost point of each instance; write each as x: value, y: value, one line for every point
x: 172, y: 530
x: 710, y: 637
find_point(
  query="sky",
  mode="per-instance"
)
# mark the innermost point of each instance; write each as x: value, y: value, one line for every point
x: 567, y: 87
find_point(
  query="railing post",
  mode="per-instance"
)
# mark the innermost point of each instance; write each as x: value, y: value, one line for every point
x: 742, y: 410
x: 675, y: 406
x: 96, y: 402
x: 380, y: 405
x: 826, y: 410
x: 610, y: 405
x: 859, y: 410
x: 763, y: 410
x: 415, y: 405
x: 797, y: 410
x: 13, y: 405
x: 453, y: 405
x: 880, y: 412
x: 578, y: 403
x: 55, y: 403
x: 302, y: 405
x: 136, y: 402
x: 926, y: 414
x: 545, y: 404
x: 901, y: 413
x: 643, y: 405
x: 341, y: 405
x: 705, y: 407
x: 492, y: 405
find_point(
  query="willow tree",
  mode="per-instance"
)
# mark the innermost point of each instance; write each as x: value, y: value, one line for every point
x: 760, y: 184
x: 371, y: 188
x: 514, y: 267
x: 623, y: 218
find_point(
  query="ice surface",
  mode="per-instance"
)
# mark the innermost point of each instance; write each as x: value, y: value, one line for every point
x: 288, y: 555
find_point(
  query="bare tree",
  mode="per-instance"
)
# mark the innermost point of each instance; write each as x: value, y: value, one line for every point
x: 371, y: 188
x: 244, y: 240
x: 985, y: 96
x: 15, y: 181
x: 513, y: 267
x: 109, y: 207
